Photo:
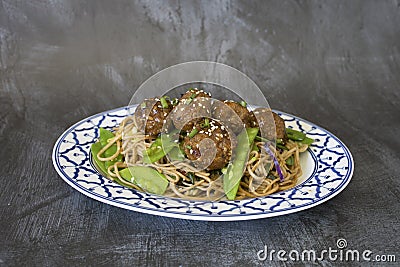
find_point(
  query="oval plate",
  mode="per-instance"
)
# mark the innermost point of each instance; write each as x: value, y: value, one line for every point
x: 327, y: 169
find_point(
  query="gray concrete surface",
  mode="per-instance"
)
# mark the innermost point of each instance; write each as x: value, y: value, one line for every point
x: 335, y: 63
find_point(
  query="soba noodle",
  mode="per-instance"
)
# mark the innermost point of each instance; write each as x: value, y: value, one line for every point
x: 260, y: 178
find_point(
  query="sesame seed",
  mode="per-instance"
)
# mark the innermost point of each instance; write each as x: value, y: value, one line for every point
x: 191, y: 151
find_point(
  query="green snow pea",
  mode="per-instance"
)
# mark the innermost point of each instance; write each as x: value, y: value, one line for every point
x: 147, y: 178
x: 234, y: 172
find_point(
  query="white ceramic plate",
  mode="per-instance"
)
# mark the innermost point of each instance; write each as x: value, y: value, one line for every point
x: 327, y: 169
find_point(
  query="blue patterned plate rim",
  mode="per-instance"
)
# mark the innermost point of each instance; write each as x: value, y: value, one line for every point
x: 331, y: 173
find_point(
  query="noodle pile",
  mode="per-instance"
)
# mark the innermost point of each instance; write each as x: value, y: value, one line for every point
x: 259, y: 179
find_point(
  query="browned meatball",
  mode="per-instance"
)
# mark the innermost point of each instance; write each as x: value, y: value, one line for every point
x: 280, y: 127
x: 192, y: 106
x: 267, y: 120
x: 233, y: 115
x: 213, y: 139
x: 151, y: 113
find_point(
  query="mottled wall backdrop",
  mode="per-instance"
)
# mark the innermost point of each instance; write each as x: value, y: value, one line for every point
x: 335, y: 63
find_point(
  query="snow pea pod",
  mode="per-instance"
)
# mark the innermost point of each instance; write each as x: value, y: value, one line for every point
x: 105, y: 136
x: 147, y: 178
x: 290, y: 161
x: 176, y: 154
x: 234, y: 172
x: 159, y: 148
x: 298, y: 136
x: 295, y: 135
x: 307, y: 141
x: 95, y: 148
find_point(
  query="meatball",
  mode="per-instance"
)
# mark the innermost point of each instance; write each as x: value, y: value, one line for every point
x: 192, y: 106
x: 152, y: 113
x: 211, y: 146
x: 262, y: 118
x: 233, y: 115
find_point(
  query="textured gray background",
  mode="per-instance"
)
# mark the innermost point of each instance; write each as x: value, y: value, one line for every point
x: 335, y: 63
